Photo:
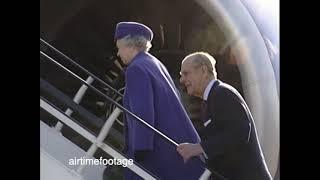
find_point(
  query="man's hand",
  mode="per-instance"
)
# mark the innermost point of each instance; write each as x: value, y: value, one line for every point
x: 188, y: 150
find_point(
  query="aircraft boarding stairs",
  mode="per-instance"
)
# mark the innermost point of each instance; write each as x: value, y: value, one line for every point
x: 58, y: 154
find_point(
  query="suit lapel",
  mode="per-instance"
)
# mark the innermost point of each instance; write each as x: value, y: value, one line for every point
x: 210, y: 101
x: 212, y: 90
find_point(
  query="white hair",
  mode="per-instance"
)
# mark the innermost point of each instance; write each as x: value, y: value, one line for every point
x: 140, y: 42
x: 203, y: 58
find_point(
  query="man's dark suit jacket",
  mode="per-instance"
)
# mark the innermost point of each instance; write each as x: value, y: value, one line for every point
x: 230, y: 140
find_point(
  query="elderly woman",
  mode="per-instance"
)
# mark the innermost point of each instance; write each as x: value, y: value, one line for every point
x: 151, y: 95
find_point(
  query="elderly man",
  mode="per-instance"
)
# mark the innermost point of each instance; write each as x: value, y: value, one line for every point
x: 229, y: 139
x: 151, y: 95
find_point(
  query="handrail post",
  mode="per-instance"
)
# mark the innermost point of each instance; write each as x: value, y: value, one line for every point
x: 102, y: 135
x: 77, y: 98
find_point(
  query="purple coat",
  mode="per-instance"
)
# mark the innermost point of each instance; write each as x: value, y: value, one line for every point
x: 151, y: 94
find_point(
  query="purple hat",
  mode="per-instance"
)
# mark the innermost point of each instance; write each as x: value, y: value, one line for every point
x: 124, y: 29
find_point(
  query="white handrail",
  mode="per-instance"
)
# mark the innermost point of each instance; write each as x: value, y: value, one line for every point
x: 66, y: 119
x: 102, y: 135
x: 77, y: 98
